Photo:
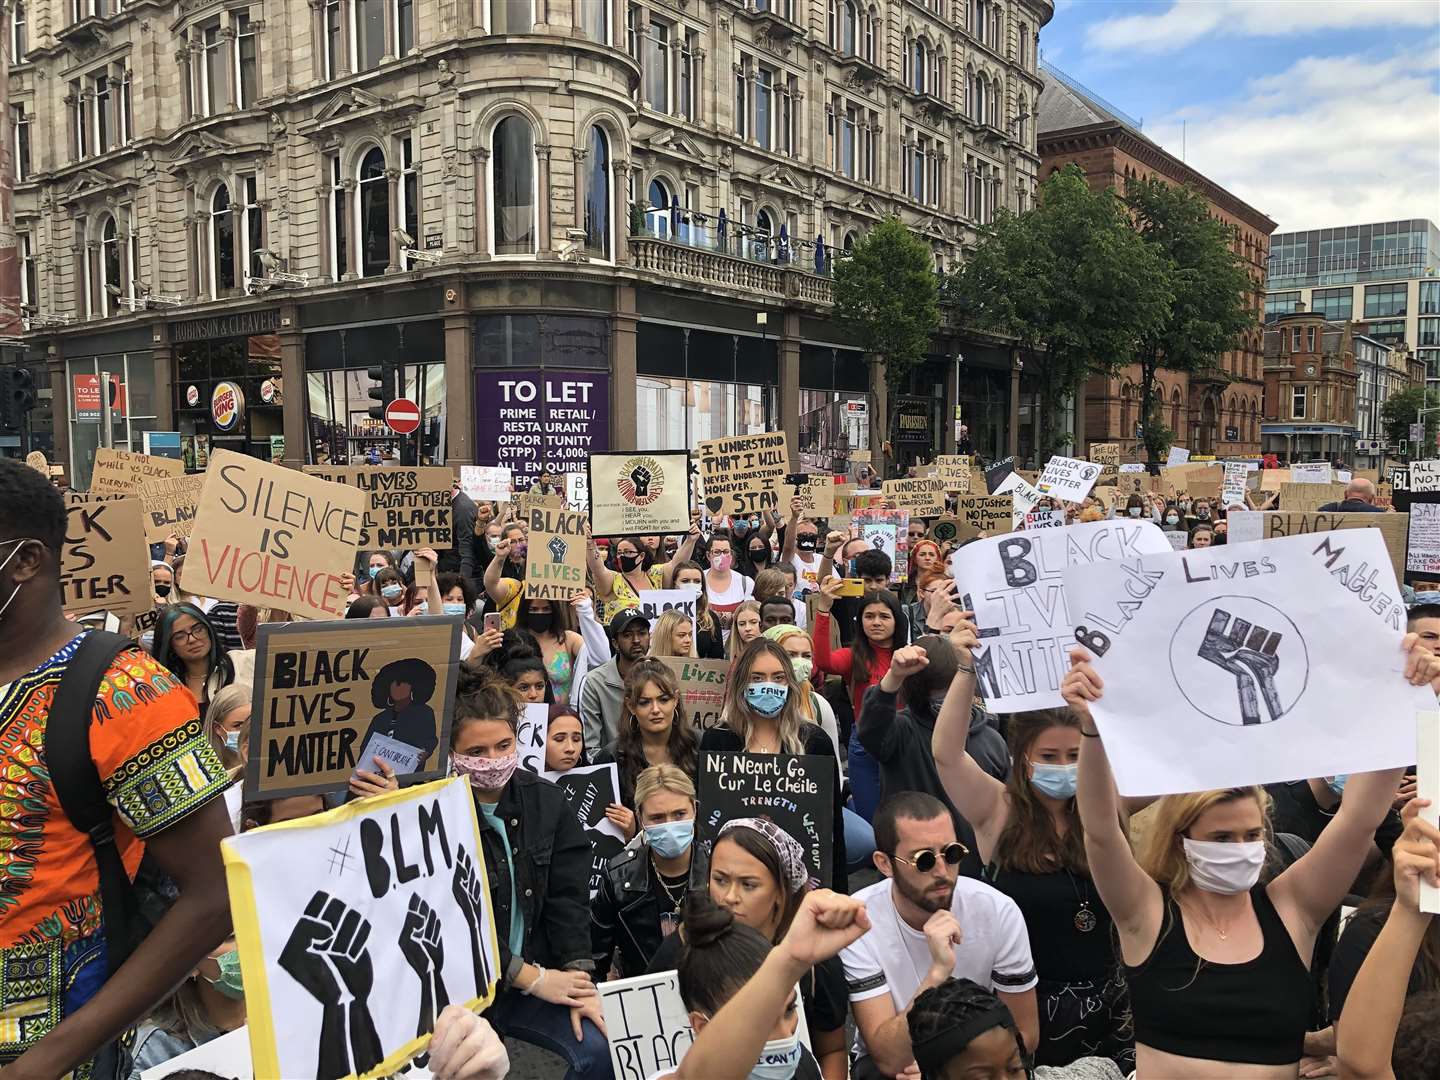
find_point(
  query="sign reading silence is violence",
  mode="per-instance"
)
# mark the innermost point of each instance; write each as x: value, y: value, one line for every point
x: 267, y: 534
x: 331, y: 697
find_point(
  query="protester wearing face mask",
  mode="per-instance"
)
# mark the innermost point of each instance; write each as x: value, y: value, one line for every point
x: 636, y: 570
x: 162, y: 581
x: 726, y: 588
x: 227, y: 720
x: 758, y: 555
x: 709, y: 639
x: 1200, y: 513
x: 763, y: 715
x: 638, y: 905
x: 553, y: 625
x: 538, y: 864
x: 801, y: 550
x: 505, y: 576
x: 1218, y: 965
x: 1171, y: 518
x: 391, y: 588
x: 203, y: 1007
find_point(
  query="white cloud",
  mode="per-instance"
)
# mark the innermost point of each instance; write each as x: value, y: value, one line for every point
x: 1329, y: 141
x: 1187, y: 21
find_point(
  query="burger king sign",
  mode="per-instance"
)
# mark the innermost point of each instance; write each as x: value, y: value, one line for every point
x: 227, y: 406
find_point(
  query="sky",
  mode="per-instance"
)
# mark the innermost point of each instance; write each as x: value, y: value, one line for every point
x: 1317, y: 112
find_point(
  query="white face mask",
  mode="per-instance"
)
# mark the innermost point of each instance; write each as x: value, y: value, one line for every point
x: 1225, y: 868
x: 778, y: 1060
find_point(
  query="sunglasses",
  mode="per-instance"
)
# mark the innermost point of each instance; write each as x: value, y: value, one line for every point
x: 924, y: 861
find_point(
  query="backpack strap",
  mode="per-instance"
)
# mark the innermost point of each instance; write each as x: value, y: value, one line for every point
x: 77, y: 781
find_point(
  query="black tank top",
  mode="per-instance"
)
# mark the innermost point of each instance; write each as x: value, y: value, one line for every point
x: 1068, y: 926
x: 1254, y: 1013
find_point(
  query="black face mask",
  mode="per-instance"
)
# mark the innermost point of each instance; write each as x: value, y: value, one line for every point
x: 538, y: 621
x: 760, y: 556
x: 162, y: 590
x: 628, y: 562
x: 807, y: 543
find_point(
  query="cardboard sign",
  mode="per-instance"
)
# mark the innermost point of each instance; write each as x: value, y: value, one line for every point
x: 953, y: 472
x: 1312, y: 472
x: 1068, y: 478
x: 1310, y: 496
x: 323, y: 689
x: 996, y: 472
x: 590, y: 790
x: 555, y: 555
x: 742, y: 474
x: 532, y: 736
x: 533, y: 500
x: 887, y: 531
x: 1179, y: 539
x: 655, y: 602
x: 1251, y: 525
x: 577, y: 492
x: 1013, y: 584
x: 950, y: 528
x: 408, y: 508
x: 169, y: 505
x: 795, y: 791
x: 121, y: 472
x: 486, y: 483
x: 1230, y: 653
x: 356, y: 927
x: 1043, y: 519
x: 1107, y: 456
x: 640, y: 493
x: 921, y: 496
x: 1422, y: 553
x: 105, y: 563
x: 813, y: 498
x: 702, y: 688
x: 1178, y: 455
x: 36, y: 460
x: 990, y: 515
x: 272, y: 536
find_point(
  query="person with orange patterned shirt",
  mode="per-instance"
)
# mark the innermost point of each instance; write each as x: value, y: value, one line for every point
x: 61, y: 1005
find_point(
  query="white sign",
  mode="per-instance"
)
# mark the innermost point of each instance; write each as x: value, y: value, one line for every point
x: 1233, y: 491
x: 1044, y: 519
x: 1229, y: 653
x: 1427, y: 786
x: 1133, y: 467
x: 357, y: 926
x: 1178, y: 456
x: 577, y: 492
x: 1312, y: 472
x: 1343, y: 476
x: 1068, y: 478
x: 532, y: 735
x: 655, y: 602
x: 226, y: 1055
x: 1179, y: 538
x: 1014, y: 585
x: 1422, y: 552
x: 1023, y: 495
x: 1244, y: 526
x: 486, y: 483
x: 1425, y: 476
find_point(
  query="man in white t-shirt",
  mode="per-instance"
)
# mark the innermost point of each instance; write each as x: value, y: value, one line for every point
x: 802, y: 550
x: 926, y: 924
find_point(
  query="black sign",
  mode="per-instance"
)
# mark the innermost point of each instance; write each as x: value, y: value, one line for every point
x: 912, y: 421
x: 1232, y: 434
x: 794, y: 791
x: 240, y: 324
x: 590, y: 789
x: 1400, y: 488
x: 996, y: 472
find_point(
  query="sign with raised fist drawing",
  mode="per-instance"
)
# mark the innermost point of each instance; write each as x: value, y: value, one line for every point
x: 639, y: 492
x: 1248, y: 663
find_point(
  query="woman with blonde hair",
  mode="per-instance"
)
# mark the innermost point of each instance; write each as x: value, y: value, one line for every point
x: 227, y: 722
x: 744, y: 627
x: 763, y: 715
x: 672, y: 635
x: 1218, y: 964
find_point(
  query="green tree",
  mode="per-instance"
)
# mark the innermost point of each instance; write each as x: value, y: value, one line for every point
x: 887, y: 294
x: 1072, y: 282
x: 1211, y: 293
x: 1398, y: 413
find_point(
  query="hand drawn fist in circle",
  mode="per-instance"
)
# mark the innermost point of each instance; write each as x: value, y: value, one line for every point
x: 640, y: 477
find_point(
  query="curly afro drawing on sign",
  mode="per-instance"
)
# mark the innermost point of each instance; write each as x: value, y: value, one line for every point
x: 400, y: 691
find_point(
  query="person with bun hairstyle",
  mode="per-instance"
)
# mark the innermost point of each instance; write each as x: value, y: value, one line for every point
x: 538, y: 861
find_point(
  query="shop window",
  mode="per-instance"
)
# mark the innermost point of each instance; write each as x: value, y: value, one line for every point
x: 597, y: 195
x: 372, y: 209
x: 222, y: 242
x: 512, y: 187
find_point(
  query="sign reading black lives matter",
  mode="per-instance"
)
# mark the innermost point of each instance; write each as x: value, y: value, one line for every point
x: 795, y: 791
x: 408, y: 508
x: 1231, y: 654
x: 332, y: 696
x: 590, y: 789
x: 644, y: 493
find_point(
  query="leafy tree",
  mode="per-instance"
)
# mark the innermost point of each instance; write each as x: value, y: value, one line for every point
x: 1208, y: 309
x: 1072, y: 282
x: 888, y: 295
x: 1398, y: 413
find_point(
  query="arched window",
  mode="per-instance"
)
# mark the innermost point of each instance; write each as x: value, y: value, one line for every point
x: 872, y: 24
x: 110, y: 274
x: 919, y: 67
x: 762, y: 238
x: 1175, y: 414
x: 597, y: 195
x: 848, y: 244
x: 849, y: 27
x: 372, y: 205
x: 512, y: 187
x: 222, y: 242
x: 997, y: 93
x: 657, y: 212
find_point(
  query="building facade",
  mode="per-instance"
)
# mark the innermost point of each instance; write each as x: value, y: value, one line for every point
x: 1311, y: 388
x: 1385, y: 274
x: 613, y: 221
x: 1215, y: 413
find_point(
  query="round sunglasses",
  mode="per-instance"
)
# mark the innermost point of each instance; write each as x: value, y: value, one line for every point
x: 924, y: 861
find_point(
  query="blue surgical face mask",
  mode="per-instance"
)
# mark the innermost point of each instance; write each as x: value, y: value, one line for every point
x: 391, y: 592
x: 1337, y: 783
x: 453, y: 607
x: 778, y: 1059
x: 766, y: 698
x: 670, y: 839
x: 1056, y: 781
x: 232, y: 740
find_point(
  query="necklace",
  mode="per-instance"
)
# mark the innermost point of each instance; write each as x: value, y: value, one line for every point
x: 676, y: 895
x: 1224, y: 933
x: 1085, y: 920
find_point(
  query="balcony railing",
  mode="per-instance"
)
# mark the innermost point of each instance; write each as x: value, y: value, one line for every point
x: 708, y: 267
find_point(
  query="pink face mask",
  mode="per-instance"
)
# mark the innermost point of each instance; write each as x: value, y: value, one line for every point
x: 721, y: 562
x: 487, y: 774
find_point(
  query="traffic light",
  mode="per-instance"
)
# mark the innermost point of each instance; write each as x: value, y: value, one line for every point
x: 384, y: 393
x: 17, y: 396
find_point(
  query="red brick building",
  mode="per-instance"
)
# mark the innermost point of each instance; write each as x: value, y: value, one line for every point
x: 1218, y: 413
x: 1310, y: 386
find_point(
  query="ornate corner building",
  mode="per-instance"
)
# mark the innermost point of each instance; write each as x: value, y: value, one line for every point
x: 609, y: 219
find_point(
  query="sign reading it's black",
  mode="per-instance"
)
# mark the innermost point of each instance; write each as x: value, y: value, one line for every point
x: 590, y: 790
x: 794, y: 791
x: 997, y: 471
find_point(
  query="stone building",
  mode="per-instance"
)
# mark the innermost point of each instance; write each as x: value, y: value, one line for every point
x: 1216, y: 413
x: 1310, y: 387
x: 521, y: 203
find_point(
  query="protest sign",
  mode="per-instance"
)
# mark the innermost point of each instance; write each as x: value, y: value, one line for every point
x: 486, y: 483
x: 590, y: 789
x: 1311, y: 472
x: 639, y: 493
x: 1043, y: 519
x: 324, y: 690
x: 531, y: 501
x: 1024, y: 495
x: 36, y: 460
x: 555, y: 555
x: 702, y: 688
x: 813, y: 495
x: 271, y: 536
x: 1107, y: 456
x: 742, y: 474
x: 104, y: 563
x: 953, y: 472
x: 226, y: 1056
x: 1205, y: 482
x: 1132, y: 467
x: 577, y: 492
x: 121, y: 472
x: 1250, y: 525
x: 1233, y: 489
x: 949, y: 527
x: 532, y: 736
x: 996, y: 472
x: 357, y: 926
x: 920, y: 496
x: 1178, y: 455
x: 655, y: 602
x: 407, y: 508
x: 989, y: 514
x: 1013, y: 584
x: 887, y: 531
x: 1179, y: 539
x: 1295, y: 496
x: 168, y: 505
x: 1427, y: 787
x: 795, y: 791
x: 1230, y: 654
x: 1423, y: 476
x: 1068, y: 478
x: 1422, y: 553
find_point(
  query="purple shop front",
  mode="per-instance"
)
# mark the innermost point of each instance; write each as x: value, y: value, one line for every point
x: 530, y: 419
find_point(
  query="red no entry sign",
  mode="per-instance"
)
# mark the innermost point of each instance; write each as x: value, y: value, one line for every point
x: 403, y: 416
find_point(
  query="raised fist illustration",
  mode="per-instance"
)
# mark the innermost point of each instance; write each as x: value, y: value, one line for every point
x: 640, y: 477
x: 423, y: 950
x: 1248, y: 653
x: 469, y: 890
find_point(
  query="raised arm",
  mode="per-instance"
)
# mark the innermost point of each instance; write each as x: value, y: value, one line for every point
x: 787, y: 546
x: 1131, y: 897
x: 830, y: 661
x: 602, y: 576
x: 492, y: 572
x: 433, y: 603
x: 683, y: 554
x: 978, y: 796
x: 834, y: 541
